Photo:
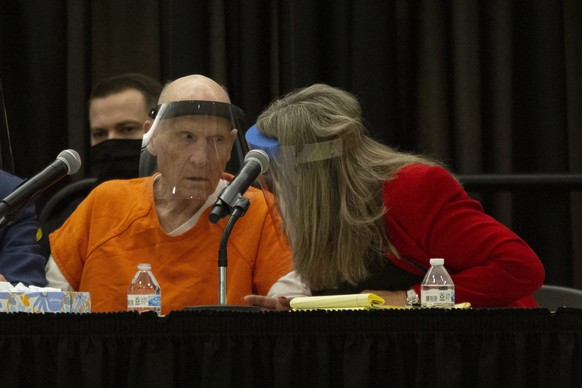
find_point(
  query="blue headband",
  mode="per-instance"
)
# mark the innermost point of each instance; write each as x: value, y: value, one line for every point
x: 256, y: 140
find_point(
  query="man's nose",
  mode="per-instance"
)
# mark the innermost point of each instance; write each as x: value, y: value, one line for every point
x: 199, y: 155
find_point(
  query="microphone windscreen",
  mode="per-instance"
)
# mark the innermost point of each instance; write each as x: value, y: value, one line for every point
x: 260, y: 157
x: 72, y: 159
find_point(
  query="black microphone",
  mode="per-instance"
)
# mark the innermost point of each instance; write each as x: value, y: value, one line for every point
x: 256, y: 162
x: 67, y: 163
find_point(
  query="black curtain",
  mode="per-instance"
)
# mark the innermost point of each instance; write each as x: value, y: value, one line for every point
x: 487, y: 86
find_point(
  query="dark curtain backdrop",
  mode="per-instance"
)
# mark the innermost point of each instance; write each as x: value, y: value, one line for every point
x: 491, y: 86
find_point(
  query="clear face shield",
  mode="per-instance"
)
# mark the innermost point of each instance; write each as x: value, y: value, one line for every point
x: 192, y: 143
x: 294, y: 173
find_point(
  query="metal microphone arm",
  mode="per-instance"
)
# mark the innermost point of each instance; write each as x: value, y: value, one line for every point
x: 239, y: 209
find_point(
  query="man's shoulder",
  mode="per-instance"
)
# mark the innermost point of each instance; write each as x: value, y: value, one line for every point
x: 121, y: 196
x: 128, y: 187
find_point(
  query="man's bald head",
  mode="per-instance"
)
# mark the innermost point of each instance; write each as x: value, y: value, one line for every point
x: 193, y: 87
x: 192, y: 147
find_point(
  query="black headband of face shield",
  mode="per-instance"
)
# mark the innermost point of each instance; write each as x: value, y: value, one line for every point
x: 231, y: 112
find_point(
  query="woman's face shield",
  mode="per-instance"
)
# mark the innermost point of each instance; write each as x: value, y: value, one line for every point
x: 290, y: 167
x: 192, y: 142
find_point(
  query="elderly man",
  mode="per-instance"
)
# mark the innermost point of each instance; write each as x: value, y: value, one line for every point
x: 163, y: 219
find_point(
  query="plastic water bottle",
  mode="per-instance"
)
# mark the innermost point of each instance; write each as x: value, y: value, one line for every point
x: 437, y: 288
x: 144, y: 292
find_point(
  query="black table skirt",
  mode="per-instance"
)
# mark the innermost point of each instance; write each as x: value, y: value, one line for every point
x: 389, y: 348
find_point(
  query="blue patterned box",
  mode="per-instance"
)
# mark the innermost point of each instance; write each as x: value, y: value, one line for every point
x: 45, y: 302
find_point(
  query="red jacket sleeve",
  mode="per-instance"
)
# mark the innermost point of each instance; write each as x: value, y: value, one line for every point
x: 430, y: 215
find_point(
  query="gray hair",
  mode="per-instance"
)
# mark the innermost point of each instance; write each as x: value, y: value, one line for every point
x: 337, y: 226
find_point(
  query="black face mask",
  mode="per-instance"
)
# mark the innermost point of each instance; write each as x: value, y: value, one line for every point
x: 115, y: 159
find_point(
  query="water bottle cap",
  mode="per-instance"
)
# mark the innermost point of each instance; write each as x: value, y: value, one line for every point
x: 437, y: 261
x: 144, y: 267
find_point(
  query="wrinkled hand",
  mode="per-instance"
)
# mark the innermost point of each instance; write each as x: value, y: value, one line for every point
x: 268, y: 303
x: 391, y: 298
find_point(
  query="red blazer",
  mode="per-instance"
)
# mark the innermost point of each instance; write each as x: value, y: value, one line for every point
x: 430, y: 215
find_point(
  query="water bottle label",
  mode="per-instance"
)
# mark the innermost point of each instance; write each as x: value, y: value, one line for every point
x: 139, y: 301
x: 155, y: 301
x: 437, y: 297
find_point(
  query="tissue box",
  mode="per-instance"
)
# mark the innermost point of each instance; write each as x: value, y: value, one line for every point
x: 45, y: 301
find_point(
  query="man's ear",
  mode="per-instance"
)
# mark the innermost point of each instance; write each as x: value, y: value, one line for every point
x: 232, y: 135
x: 231, y: 139
x: 150, y: 146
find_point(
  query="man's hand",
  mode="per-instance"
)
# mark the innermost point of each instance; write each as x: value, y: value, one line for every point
x: 2, y: 278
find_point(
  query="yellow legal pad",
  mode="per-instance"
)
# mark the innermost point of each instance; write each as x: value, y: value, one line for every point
x: 347, y: 302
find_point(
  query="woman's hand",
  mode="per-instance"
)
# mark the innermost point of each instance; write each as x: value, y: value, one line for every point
x: 268, y: 303
x: 391, y: 298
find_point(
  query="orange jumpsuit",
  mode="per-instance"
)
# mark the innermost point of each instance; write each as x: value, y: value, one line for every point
x: 116, y: 227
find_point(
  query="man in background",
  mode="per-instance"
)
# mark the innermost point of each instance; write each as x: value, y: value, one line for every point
x: 118, y: 108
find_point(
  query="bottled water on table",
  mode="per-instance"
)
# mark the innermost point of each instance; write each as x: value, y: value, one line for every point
x: 144, y: 292
x: 437, y: 288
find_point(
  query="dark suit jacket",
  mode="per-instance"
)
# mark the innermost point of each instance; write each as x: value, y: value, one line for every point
x: 20, y: 258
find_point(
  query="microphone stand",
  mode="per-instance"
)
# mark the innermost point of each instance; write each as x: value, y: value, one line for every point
x: 7, y: 215
x: 5, y: 221
x: 238, y: 210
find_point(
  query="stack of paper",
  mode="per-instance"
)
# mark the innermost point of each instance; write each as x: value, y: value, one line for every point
x: 347, y: 302
x: 335, y: 302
